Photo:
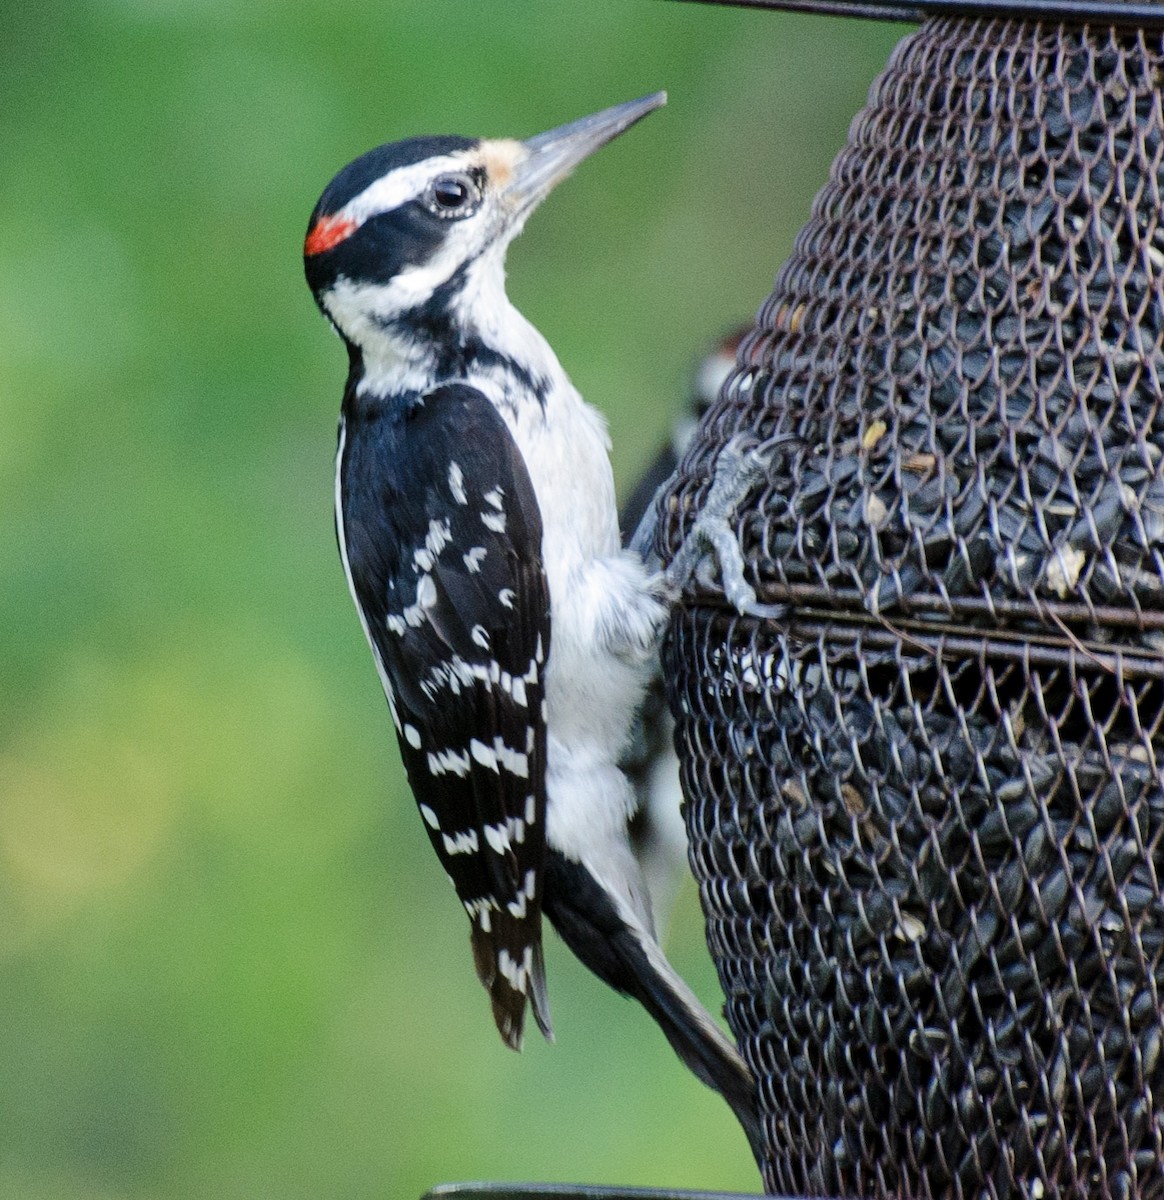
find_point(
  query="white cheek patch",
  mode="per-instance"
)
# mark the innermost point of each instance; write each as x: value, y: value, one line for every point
x: 353, y: 306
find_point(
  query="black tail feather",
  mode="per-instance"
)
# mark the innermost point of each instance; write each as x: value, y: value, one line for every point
x: 511, y: 938
x: 623, y: 956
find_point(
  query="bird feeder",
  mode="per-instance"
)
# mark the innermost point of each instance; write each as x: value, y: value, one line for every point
x: 926, y: 808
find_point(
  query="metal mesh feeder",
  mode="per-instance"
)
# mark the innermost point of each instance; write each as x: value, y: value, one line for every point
x: 926, y: 811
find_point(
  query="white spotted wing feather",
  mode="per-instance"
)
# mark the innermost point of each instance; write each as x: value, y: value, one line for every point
x: 441, y: 539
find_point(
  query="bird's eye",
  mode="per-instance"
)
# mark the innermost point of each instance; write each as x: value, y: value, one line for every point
x: 453, y: 196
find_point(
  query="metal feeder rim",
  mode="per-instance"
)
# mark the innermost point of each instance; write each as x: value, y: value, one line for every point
x: 570, y: 1191
x: 1105, y: 12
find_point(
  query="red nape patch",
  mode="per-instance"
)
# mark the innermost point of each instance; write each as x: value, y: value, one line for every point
x: 328, y: 232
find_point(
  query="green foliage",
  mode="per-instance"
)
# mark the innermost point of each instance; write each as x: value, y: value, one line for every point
x: 229, y: 965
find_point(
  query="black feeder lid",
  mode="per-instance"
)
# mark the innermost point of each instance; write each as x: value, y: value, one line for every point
x: 568, y: 1191
x: 1106, y: 12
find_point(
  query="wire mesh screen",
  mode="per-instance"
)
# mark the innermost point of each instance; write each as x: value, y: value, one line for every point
x: 926, y: 810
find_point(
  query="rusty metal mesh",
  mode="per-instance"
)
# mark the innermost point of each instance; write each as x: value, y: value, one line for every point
x: 926, y: 810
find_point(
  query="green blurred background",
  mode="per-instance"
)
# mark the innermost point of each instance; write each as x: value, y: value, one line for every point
x: 229, y: 964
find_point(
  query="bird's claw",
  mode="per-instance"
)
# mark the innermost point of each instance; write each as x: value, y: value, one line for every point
x: 711, y: 541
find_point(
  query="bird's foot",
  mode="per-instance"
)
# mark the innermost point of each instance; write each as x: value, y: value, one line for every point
x: 711, y: 541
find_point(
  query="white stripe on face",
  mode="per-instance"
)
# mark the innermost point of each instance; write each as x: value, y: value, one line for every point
x: 398, y: 187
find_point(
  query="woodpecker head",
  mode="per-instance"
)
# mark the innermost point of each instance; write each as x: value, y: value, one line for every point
x: 413, y: 234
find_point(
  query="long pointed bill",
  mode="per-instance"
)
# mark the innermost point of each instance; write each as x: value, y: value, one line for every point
x: 553, y: 155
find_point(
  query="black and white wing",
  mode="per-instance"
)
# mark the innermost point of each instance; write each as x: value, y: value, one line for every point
x: 441, y: 535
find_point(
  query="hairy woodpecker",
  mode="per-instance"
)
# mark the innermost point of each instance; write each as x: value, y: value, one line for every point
x: 657, y: 832
x: 478, y: 531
